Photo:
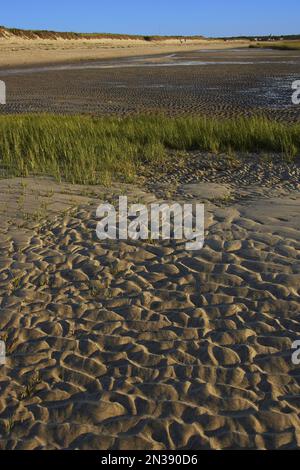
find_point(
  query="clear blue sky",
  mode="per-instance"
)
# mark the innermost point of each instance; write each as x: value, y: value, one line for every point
x: 184, y: 17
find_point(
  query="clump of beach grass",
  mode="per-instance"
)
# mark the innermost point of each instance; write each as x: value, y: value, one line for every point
x: 90, y: 150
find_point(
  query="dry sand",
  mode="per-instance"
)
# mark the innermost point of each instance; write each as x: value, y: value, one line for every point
x: 18, y: 51
x: 148, y: 346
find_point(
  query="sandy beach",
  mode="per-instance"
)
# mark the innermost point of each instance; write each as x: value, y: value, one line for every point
x: 145, y: 345
x: 18, y: 51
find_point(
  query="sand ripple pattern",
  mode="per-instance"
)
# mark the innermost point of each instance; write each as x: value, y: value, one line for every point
x: 120, y: 345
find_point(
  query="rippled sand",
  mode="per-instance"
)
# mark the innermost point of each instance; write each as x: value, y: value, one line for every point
x: 121, y: 345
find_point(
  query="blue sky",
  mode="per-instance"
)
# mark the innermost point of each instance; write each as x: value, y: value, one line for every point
x: 186, y: 17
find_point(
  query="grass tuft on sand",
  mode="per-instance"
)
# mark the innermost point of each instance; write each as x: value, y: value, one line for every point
x: 90, y: 150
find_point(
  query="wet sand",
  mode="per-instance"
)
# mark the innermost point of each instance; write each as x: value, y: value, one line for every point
x: 215, y: 83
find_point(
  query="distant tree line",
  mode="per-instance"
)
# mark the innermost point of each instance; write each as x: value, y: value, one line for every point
x: 271, y: 37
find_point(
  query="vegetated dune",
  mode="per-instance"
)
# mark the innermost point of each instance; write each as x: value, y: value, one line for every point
x: 45, y: 34
x: 24, y: 47
x: 145, y: 345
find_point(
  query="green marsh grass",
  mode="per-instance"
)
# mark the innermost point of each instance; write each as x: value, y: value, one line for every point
x: 90, y: 150
x: 280, y: 45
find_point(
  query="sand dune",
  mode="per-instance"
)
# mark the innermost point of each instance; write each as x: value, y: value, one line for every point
x: 19, y: 51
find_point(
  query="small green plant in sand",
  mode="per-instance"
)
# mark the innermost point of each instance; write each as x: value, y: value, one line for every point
x: 16, y: 282
x: 10, y: 343
x: 29, y: 388
x: 91, y: 150
x: 226, y: 199
x: 37, y: 215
